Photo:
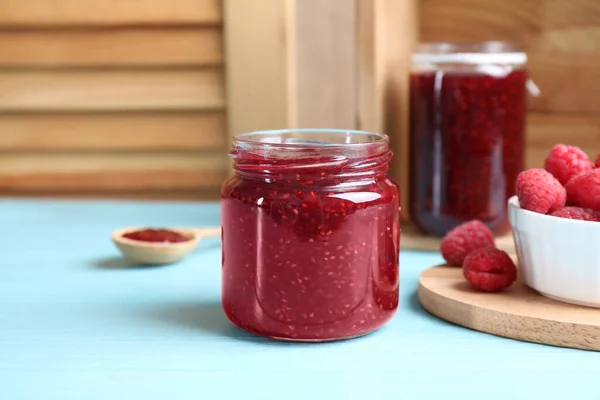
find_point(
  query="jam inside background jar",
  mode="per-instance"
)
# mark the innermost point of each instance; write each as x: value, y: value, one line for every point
x: 311, y: 234
x: 467, y: 132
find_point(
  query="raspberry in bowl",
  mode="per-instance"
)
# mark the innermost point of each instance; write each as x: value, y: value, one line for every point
x: 559, y: 253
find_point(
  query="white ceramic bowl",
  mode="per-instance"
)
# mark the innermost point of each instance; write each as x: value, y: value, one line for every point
x: 558, y: 257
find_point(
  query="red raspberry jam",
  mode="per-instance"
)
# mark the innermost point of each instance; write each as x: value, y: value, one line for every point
x: 311, y: 234
x: 156, y: 236
x: 467, y: 133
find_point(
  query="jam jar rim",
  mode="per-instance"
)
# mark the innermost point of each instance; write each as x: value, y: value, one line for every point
x: 246, y: 139
x: 370, y: 154
x: 484, y: 52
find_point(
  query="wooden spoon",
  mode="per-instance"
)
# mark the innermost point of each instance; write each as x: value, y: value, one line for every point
x: 152, y: 253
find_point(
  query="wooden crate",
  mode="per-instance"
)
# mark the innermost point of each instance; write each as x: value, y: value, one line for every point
x: 111, y: 98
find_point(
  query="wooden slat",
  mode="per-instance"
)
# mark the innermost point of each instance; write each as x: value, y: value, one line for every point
x: 387, y: 32
x: 578, y: 40
x: 520, y: 24
x: 561, y: 14
x: 112, y: 90
x: 514, y: 20
x: 535, y: 24
x: 479, y: 20
x: 325, y: 63
x: 260, y: 94
x: 110, y: 47
x: 209, y: 194
x: 111, y: 171
x: 549, y: 129
x: 305, y: 76
x: 546, y: 130
x: 108, y: 12
x: 569, y: 83
x: 113, y: 131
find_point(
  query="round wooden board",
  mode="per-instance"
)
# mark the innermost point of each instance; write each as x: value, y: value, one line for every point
x: 518, y: 313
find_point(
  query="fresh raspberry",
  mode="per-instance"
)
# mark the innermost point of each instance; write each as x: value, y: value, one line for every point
x: 463, y: 239
x: 564, y: 162
x: 597, y: 163
x: 584, y: 214
x: 539, y: 191
x: 490, y: 270
x: 584, y: 190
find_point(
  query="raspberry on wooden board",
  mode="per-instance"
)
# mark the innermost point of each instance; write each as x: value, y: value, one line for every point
x: 489, y: 270
x: 463, y: 239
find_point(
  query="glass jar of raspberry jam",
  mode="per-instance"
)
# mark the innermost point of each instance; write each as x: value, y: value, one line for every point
x: 467, y: 132
x: 311, y: 234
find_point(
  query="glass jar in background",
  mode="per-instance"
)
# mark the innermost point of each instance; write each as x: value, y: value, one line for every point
x: 467, y: 133
x: 311, y: 232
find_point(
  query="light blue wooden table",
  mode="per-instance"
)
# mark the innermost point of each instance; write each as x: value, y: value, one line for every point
x: 76, y: 322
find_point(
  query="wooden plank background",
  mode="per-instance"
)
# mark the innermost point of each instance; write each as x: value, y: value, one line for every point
x: 112, y: 98
x: 60, y: 13
x: 110, y: 47
x: 130, y: 98
x: 562, y: 40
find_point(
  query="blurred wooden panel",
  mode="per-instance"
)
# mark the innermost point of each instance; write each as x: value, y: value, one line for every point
x: 260, y: 89
x: 207, y: 194
x: 305, y: 76
x: 536, y: 24
x: 386, y: 35
x: 109, y: 12
x: 514, y: 20
x: 111, y: 171
x: 546, y: 130
x: 521, y: 25
x: 560, y: 14
x: 569, y: 83
x: 479, y: 20
x: 110, y: 47
x: 113, y: 131
x: 325, y: 46
x: 579, y: 40
x: 193, y: 89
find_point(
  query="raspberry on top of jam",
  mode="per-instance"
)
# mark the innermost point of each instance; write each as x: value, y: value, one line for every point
x: 156, y: 236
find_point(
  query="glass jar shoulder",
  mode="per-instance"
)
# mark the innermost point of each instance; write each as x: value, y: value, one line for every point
x: 364, y: 193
